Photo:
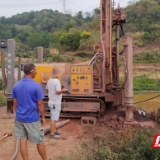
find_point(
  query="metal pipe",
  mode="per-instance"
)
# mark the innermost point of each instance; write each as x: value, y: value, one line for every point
x: 19, y: 68
x: 128, y: 98
x: 110, y: 68
x: 40, y: 54
x: 92, y: 60
x: 103, y: 66
x: 58, y: 125
x: 117, y: 55
x: 3, y: 67
x: 10, y: 73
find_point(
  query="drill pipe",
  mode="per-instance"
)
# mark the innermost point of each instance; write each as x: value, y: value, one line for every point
x: 58, y: 125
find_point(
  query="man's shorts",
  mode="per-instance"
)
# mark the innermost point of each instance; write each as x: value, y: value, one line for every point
x: 55, y: 110
x: 31, y: 131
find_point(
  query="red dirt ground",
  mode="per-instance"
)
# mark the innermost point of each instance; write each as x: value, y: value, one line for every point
x: 73, y: 135
x: 54, y: 147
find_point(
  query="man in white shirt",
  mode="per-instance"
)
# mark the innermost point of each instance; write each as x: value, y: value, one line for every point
x: 53, y: 88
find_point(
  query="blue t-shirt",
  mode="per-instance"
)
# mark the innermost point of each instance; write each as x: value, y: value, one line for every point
x: 27, y: 92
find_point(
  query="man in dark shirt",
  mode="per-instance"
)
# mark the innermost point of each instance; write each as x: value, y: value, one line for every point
x: 28, y: 102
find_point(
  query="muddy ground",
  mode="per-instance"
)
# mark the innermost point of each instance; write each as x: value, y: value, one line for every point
x: 73, y: 135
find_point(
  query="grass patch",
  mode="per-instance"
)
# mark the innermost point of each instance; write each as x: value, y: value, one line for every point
x: 135, y: 145
x: 142, y: 83
x: 149, y: 56
x: 139, y: 147
x: 3, y: 101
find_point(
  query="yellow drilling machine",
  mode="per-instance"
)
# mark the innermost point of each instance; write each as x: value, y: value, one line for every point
x: 92, y: 87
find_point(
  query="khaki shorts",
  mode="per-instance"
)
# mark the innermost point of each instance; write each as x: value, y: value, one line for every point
x: 31, y: 131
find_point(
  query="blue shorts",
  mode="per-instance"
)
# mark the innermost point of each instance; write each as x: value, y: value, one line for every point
x: 55, y: 110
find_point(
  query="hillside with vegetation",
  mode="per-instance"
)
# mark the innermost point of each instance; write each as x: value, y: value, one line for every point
x: 75, y: 36
x: 52, y: 29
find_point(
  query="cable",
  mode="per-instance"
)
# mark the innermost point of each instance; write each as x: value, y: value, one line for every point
x: 26, y: 5
x: 74, y: 4
x: 91, y: 7
x: 144, y: 100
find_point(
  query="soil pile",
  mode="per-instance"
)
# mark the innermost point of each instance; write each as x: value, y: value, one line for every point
x: 116, y: 119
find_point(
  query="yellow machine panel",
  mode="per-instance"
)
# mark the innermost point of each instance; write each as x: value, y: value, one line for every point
x: 44, y: 71
x: 81, y: 79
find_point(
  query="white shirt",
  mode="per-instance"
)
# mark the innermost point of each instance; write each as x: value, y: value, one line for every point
x: 54, y: 85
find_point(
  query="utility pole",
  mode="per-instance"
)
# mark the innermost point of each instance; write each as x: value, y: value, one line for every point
x: 64, y: 10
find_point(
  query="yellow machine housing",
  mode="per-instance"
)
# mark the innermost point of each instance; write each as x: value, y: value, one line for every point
x: 81, y: 79
x: 44, y: 71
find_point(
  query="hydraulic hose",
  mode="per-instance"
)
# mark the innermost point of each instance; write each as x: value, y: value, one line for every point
x: 3, y: 67
x: 16, y: 151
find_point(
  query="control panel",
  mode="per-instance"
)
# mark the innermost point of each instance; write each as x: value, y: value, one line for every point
x: 81, y: 79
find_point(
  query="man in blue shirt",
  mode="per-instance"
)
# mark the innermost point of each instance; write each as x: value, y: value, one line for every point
x: 28, y: 102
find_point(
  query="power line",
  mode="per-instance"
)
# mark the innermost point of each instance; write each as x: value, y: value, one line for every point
x: 91, y: 7
x: 25, y: 5
x: 74, y: 4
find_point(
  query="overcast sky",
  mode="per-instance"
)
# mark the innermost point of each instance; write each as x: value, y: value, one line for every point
x: 13, y: 7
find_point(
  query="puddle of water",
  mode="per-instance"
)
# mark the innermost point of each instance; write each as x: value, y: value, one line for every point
x: 149, y: 105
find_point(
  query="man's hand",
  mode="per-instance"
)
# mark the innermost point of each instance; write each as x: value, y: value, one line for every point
x: 64, y: 90
x: 43, y: 121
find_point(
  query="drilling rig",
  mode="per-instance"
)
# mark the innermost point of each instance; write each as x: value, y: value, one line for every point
x: 93, y: 87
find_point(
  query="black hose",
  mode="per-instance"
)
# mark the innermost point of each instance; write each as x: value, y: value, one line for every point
x: 122, y: 29
x: 144, y: 100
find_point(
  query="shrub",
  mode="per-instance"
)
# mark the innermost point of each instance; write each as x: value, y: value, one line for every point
x: 2, y: 100
x: 56, y: 58
x: 86, y: 35
x: 139, y: 147
x: 147, y: 36
x: 71, y: 40
x: 1, y: 84
x: 151, y: 56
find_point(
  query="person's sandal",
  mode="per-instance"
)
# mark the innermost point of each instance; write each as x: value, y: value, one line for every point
x: 54, y: 136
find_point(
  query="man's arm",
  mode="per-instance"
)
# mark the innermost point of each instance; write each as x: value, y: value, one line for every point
x: 41, y: 110
x: 62, y: 91
x: 15, y: 104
